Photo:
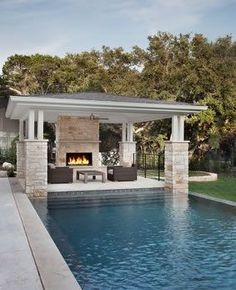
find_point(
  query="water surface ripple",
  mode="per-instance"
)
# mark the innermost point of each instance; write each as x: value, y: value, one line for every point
x: 163, y: 245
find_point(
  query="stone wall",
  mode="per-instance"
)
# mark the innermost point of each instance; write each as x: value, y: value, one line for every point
x: 176, y: 166
x: 36, y: 167
x: 209, y: 176
x: 77, y: 134
x: 20, y: 154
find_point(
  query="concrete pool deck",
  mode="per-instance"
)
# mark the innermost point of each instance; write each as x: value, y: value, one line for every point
x: 140, y: 183
x: 95, y: 193
x: 29, y: 258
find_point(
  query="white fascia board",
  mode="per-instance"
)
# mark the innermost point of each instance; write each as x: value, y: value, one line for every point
x: 9, y: 108
x: 57, y: 104
x: 115, y: 109
x: 54, y: 101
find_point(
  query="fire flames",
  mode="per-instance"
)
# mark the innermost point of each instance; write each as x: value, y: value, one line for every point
x: 78, y: 161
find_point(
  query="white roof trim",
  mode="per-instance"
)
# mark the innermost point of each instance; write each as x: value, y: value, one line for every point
x: 18, y: 106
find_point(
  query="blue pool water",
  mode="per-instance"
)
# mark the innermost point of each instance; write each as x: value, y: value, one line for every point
x: 163, y: 245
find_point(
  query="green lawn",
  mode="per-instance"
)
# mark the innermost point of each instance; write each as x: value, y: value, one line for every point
x: 224, y: 187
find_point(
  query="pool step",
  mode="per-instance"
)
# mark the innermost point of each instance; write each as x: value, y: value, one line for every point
x: 98, y: 198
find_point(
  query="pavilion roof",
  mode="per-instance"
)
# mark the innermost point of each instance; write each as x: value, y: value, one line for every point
x: 110, y: 108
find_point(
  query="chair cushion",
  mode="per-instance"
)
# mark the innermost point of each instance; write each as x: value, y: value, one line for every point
x: 51, y: 165
x: 126, y: 164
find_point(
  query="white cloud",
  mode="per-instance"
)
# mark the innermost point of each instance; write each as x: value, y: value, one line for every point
x: 173, y: 16
x: 53, y: 26
x: 52, y: 47
x: 19, y: 2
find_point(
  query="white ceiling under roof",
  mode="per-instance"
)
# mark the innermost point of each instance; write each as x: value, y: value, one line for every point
x: 109, y: 111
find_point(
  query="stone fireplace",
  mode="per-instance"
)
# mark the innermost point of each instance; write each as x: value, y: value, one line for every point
x: 77, y: 142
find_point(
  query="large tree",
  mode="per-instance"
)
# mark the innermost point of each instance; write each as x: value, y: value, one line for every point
x: 185, y: 68
x: 193, y: 69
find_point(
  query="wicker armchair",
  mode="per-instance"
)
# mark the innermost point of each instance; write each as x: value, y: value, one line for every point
x: 60, y: 175
x: 120, y: 173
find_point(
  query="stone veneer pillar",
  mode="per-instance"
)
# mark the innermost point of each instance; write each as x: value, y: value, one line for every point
x: 20, y: 155
x: 176, y: 166
x: 36, y: 167
x: 127, y: 151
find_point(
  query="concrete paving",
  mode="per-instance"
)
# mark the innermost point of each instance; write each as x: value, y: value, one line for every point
x: 54, y: 272
x: 140, y: 183
x: 29, y: 259
x: 17, y: 268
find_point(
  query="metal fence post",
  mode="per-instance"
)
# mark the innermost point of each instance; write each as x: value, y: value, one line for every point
x: 159, y: 166
x: 145, y: 165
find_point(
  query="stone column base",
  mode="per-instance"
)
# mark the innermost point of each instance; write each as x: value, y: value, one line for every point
x: 127, y: 151
x: 176, y: 166
x: 36, y: 167
x: 20, y: 159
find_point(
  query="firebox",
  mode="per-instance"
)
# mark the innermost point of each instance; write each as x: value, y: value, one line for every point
x: 79, y: 159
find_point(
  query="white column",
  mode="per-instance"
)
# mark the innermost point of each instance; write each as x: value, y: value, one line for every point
x: 21, y: 130
x: 40, y: 125
x: 26, y: 128
x: 177, y: 128
x: 130, y: 132
x: 123, y: 132
x: 181, y: 128
x: 175, y: 131
x: 31, y: 119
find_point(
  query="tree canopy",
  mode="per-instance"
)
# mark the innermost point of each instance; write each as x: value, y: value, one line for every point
x: 185, y: 68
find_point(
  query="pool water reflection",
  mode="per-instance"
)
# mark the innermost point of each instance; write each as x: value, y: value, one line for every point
x: 159, y: 245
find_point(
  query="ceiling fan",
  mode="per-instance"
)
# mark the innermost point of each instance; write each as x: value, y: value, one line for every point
x: 94, y: 117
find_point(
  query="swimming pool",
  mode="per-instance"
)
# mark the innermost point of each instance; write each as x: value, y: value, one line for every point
x: 159, y: 245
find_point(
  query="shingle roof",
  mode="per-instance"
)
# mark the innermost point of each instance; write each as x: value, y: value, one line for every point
x: 96, y: 96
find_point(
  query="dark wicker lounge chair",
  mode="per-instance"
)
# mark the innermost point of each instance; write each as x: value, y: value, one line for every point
x: 60, y: 175
x: 120, y: 173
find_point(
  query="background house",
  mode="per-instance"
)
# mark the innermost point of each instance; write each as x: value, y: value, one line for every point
x: 9, y: 129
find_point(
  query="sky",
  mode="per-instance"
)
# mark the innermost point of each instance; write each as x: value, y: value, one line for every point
x: 57, y: 27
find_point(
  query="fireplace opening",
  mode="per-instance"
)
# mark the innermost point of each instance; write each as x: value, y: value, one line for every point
x: 79, y: 159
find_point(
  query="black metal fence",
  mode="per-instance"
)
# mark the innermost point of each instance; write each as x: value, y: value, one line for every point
x: 150, y: 165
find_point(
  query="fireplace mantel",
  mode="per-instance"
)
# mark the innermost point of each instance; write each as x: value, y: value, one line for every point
x: 78, y: 141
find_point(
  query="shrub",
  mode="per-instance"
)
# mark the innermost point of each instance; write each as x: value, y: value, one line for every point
x: 9, y: 154
x: 210, y: 164
x: 11, y: 172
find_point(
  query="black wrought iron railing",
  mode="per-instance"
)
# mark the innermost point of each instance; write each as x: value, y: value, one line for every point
x: 150, y: 165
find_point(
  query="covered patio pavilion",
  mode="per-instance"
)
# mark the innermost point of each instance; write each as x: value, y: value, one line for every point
x: 77, y: 118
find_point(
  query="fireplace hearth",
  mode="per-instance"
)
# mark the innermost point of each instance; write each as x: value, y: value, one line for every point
x: 79, y: 159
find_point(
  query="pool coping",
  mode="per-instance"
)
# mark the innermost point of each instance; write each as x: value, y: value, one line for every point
x: 53, y: 270
x: 214, y: 199
x: 18, y: 270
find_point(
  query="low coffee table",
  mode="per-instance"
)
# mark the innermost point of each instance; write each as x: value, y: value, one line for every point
x: 93, y: 173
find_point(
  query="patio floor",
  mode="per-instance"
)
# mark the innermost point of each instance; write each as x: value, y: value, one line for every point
x: 97, y: 185
x: 95, y: 193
